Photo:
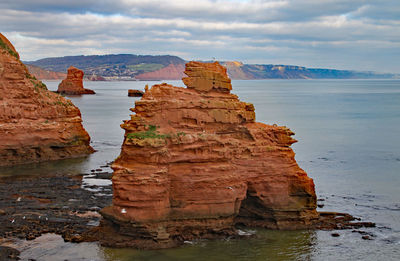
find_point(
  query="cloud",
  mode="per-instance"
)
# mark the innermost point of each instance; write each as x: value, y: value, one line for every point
x: 355, y: 34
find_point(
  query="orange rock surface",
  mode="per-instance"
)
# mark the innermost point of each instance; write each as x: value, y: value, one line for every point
x: 35, y: 124
x: 73, y: 84
x: 194, y: 163
x: 170, y: 72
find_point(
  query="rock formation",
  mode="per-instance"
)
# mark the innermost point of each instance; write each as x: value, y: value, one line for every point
x: 194, y: 163
x: 73, y: 84
x: 135, y: 93
x: 35, y: 124
x: 170, y: 72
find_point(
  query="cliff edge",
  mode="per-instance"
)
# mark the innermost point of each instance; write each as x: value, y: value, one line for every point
x: 35, y: 124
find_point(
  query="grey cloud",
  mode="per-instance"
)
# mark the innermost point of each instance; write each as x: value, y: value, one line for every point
x: 252, y: 11
x: 343, y: 34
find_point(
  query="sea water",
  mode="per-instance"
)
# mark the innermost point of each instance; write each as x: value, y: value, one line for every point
x: 348, y: 133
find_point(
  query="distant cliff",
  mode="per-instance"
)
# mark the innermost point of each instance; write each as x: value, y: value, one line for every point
x: 43, y: 74
x: 167, y: 67
x: 171, y: 72
x: 237, y: 70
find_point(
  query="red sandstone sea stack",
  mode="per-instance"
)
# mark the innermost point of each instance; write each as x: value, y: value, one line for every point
x: 194, y: 163
x: 35, y: 124
x: 73, y: 84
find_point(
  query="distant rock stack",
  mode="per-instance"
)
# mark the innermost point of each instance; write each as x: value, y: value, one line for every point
x: 73, y: 84
x: 194, y: 163
x: 35, y: 124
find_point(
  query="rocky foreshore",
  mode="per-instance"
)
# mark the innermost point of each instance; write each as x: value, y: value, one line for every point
x: 32, y: 206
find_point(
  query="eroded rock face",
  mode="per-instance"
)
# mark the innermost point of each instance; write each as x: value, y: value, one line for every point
x: 35, y: 124
x: 73, y: 84
x: 194, y: 163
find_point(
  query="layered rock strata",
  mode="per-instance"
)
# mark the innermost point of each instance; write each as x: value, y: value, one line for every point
x: 194, y: 163
x: 73, y: 84
x: 35, y: 124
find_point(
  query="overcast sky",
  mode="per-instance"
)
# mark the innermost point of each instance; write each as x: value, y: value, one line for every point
x: 343, y: 34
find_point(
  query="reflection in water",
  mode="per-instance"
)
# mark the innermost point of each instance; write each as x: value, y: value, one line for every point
x: 265, y: 245
x: 58, y: 167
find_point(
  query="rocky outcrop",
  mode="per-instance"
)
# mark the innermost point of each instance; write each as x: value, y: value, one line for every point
x: 170, y: 72
x: 42, y: 74
x: 73, y: 84
x: 35, y: 124
x: 135, y: 93
x: 194, y: 163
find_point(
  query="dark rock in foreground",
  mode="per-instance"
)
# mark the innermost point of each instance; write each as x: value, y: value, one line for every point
x: 8, y: 253
x: 32, y: 206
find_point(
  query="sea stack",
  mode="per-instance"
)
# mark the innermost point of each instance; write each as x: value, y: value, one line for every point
x: 73, y: 84
x: 35, y: 124
x: 194, y: 163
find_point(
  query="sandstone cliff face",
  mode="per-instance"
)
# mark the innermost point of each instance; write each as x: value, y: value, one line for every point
x: 170, y: 72
x: 194, y: 163
x: 35, y: 124
x: 73, y: 84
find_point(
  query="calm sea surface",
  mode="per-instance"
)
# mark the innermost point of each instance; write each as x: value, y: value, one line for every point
x: 348, y: 133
